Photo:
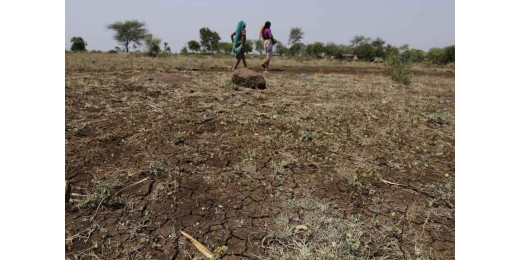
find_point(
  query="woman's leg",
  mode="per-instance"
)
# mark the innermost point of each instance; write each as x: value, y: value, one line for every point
x: 267, y: 64
x: 236, y: 64
x: 244, y: 59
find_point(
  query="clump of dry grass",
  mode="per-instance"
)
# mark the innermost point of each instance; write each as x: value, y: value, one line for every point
x: 328, y: 234
x: 104, y: 188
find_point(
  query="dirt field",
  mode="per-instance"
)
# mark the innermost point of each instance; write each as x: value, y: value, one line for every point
x: 368, y: 166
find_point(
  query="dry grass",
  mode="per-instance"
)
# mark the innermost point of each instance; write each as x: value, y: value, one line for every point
x: 134, y: 61
x: 314, y: 150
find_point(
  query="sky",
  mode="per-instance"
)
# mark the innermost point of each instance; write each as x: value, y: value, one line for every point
x: 422, y: 24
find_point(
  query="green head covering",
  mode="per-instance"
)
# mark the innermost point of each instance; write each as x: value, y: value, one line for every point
x: 238, y: 32
x: 237, y: 44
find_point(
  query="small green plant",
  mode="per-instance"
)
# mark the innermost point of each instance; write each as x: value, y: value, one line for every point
x: 278, y: 170
x: 231, y: 85
x: 306, y: 134
x: 399, y: 69
x: 157, y: 168
x: 104, y: 189
x: 180, y: 137
x: 251, y: 156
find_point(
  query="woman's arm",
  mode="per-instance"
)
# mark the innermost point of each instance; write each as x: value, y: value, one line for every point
x: 232, y: 36
x: 243, y: 38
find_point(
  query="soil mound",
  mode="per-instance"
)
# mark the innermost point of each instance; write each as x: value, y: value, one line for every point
x: 248, y: 78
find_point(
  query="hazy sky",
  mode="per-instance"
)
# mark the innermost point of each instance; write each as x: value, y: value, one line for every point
x: 420, y: 23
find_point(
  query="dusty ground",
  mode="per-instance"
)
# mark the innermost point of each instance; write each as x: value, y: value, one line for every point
x: 366, y: 165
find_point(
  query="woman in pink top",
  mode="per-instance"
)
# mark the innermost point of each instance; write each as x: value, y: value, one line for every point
x: 269, y: 41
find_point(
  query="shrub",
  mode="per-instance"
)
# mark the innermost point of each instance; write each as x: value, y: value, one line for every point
x: 78, y: 44
x: 152, y: 45
x: 280, y: 49
x: 399, y: 68
x: 441, y: 56
x: 194, y: 46
x: 315, y: 49
x: 248, y: 46
x: 225, y: 47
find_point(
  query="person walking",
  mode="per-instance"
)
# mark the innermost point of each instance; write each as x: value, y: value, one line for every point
x: 267, y: 37
x: 239, y: 40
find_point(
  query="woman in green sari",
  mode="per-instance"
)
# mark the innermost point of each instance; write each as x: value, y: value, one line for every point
x: 239, y: 40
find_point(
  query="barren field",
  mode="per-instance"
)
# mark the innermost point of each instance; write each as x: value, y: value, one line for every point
x: 366, y: 165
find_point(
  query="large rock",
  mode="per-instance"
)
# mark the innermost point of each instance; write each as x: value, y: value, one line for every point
x: 248, y: 78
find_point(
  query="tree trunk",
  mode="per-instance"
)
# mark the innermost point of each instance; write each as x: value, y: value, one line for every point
x: 126, y: 46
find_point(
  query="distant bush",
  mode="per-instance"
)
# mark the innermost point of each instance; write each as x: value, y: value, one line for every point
x: 225, y: 47
x: 194, y: 46
x: 248, y: 46
x: 297, y: 49
x: 331, y: 49
x: 153, y: 47
x: 280, y: 49
x: 315, y: 49
x: 78, y: 44
x: 399, y: 68
x: 412, y: 55
x: 441, y: 55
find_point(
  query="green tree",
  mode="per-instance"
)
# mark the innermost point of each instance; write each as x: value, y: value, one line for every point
x: 184, y: 50
x: 359, y: 40
x: 295, y: 36
x: 280, y: 49
x: 315, y: 49
x: 411, y: 55
x: 389, y: 49
x: 259, y: 46
x: 362, y: 47
x: 152, y: 43
x: 117, y: 48
x: 225, y: 47
x: 434, y: 55
x: 209, y: 39
x: 128, y: 32
x: 449, y: 54
x: 297, y: 49
x: 248, y: 46
x: 194, y: 46
x: 331, y: 49
x: 378, y: 46
x: 78, y: 44
x: 345, y: 49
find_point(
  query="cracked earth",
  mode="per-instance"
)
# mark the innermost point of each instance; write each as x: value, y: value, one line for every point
x: 151, y: 153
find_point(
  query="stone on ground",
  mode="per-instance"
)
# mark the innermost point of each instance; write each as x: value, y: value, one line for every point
x: 248, y: 78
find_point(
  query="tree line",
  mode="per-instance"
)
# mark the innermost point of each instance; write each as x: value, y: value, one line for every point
x: 134, y: 33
